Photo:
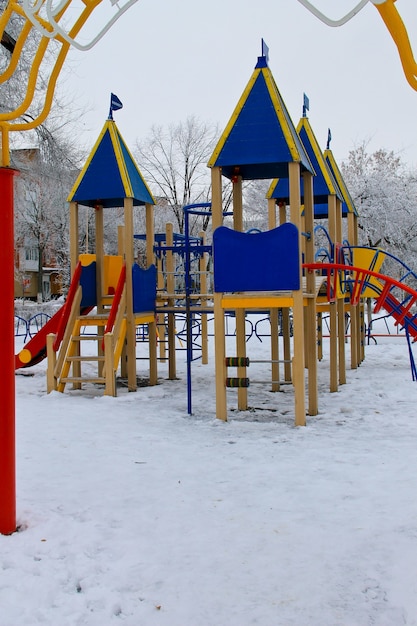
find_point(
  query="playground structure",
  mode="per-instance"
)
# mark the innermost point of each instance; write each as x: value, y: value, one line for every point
x: 108, y: 295
x: 286, y: 292
x: 275, y: 273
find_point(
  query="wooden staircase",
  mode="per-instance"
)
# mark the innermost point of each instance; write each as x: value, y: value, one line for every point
x: 87, y: 353
x: 77, y: 355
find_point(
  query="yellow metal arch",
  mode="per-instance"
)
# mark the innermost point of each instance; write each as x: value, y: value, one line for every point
x: 9, y: 121
x: 398, y: 32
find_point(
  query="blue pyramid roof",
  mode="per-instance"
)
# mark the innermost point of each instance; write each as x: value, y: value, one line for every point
x: 324, y: 183
x: 110, y: 174
x: 260, y: 138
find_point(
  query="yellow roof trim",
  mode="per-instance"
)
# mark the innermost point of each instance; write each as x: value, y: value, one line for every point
x: 271, y: 188
x: 136, y: 166
x: 120, y: 160
x: 341, y: 183
x: 304, y: 123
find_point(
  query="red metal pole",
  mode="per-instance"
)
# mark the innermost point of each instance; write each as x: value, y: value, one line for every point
x: 7, y: 381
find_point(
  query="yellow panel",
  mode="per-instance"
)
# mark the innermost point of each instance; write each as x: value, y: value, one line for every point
x: 369, y: 258
x: 258, y: 302
x: 87, y: 259
x: 144, y: 318
x: 112, y: 268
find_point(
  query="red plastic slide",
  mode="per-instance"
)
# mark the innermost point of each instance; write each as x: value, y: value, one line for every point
x: 35, y: 350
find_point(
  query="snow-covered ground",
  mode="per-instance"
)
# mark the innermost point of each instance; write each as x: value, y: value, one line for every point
x: 133, y: 512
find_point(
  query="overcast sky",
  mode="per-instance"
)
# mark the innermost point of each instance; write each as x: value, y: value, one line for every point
x: 167, y: 60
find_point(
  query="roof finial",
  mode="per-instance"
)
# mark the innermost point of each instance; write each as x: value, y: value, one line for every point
x: 115, y: 105
x: 329, y: 138
x: 265, y: 51
x: 306, y: 105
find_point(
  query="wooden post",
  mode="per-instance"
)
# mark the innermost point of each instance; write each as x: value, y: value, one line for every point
x: 273, y: 313
x: 74, y: 249
x: 130, y: 318
x: 298, y: 313
x: 169, y: 264
x: 272, y: 213
x: 150, y: 257
x: 51, y: 382
x: 110, y: 386
x: 220, y: 355
x: 99, y: 256
x: 240, y: 314
x: 237, y: 204
x: 219, y: 332
x: 160, y: 317
x: 121, y: 252
x: 121, y: 240
x: 216, y: 200
x: 332, y: 306
x: 310, y: 309
x: 203, y: 298
x: 341, y: 326
x: 285, y: 317
x: 319, y: 336
x: 99, y: 227
x: 74, y: 256
x: 242, y: 392
x: 353, y: 310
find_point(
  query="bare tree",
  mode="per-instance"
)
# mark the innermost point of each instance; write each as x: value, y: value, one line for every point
x: 173, y: 162
x: 255, y: 204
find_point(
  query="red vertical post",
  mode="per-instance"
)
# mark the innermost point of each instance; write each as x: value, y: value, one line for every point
x: 7, y: 381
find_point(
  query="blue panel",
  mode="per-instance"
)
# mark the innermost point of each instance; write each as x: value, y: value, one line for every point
x: 268, y: 261
x: 144, y: 288
x: 88, y: 284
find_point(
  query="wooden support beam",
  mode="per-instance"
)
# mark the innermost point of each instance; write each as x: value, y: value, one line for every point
x: 298, y: 313
x: 130, y: 319
x: 310, y: 309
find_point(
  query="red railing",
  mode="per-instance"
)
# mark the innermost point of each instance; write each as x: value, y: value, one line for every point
x: 116, y: 301
x: 358, y: 277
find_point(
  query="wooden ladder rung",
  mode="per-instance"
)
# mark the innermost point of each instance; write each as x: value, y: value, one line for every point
x: 80, y: 379
x: 85, y: 358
